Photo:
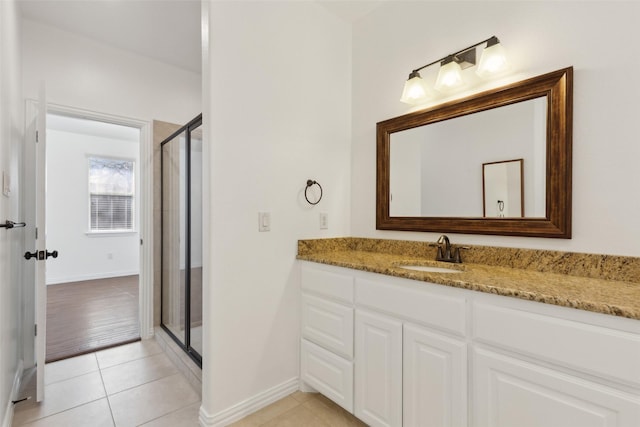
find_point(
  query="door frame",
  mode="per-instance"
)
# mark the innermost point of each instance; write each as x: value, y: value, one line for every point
x: 145, y: 288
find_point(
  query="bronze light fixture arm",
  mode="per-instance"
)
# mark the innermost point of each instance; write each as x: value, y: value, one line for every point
x: 490, y: 42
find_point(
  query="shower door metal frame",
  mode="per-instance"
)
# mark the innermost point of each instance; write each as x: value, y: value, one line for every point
x: 186, y: 346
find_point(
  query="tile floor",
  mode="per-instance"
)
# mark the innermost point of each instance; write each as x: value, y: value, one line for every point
x: 130, y: 385
x: 301, y: 409
x: 137, y: 385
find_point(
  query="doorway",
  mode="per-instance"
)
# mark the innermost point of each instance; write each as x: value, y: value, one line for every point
x: 93, y: 219
x: 98, y: 288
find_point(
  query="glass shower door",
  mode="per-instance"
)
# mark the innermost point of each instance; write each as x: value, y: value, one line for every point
x: 195, y: 307
x: 181, y: 294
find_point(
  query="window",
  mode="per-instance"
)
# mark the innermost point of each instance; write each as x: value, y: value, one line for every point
x: 111, y: 191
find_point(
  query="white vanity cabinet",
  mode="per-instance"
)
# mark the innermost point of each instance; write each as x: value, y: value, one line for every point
x: 326, y: 348
x: 410, y: 354
x: 531, y: 369
x: 432, y: 355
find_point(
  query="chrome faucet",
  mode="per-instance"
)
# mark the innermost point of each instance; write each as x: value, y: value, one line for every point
x: 445, y: 253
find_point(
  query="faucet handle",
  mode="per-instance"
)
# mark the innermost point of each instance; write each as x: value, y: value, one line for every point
x: 456, y: 254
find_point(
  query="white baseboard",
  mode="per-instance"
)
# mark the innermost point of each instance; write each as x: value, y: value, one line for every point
x: 15, y: 390
x: 83, y: 277
x: 248, y: 406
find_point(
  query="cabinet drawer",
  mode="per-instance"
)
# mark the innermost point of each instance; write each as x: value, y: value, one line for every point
x: 592, y: 349
x: 333, y: 285
x: 328, y: 324
x: 420, y: 305
x: 328, y: 373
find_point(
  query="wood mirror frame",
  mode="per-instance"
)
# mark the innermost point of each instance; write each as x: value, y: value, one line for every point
x: 557, y: 86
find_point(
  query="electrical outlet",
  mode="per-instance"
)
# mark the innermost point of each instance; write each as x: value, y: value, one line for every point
x: 109, y: 255
x: 324, y: 220
x: 264, y: 221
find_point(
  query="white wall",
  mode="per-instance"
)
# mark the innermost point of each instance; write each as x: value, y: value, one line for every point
x: 540, y: 37
x: 82, y: 73
x: 85, y: 256
x: 11, y: 248
x: 277, y: 112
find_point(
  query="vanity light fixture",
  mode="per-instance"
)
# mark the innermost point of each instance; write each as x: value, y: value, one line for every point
x: 449, y: 76
x: 415, y: 89
x: 493, y: 62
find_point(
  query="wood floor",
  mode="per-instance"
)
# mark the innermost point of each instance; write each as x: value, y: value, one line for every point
x: 91, y: 315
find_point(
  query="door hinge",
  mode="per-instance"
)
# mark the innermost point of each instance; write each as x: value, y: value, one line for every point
x: 37, y: 137
x: 35, y: 329
x: 36, y: 233
x: 141, y: 242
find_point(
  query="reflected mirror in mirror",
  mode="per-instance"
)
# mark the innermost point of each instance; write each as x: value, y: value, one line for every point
x: 436, y: 170
x: 502, y: 188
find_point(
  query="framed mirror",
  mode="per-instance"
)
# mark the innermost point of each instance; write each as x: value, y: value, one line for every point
x: 430, y: 163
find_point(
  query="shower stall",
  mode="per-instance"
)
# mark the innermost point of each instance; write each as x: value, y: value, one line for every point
x: 181, y: 206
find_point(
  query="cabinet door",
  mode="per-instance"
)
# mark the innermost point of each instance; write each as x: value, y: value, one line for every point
x: 378, y: 369
x: 435, y: 379
x: 511, y: 392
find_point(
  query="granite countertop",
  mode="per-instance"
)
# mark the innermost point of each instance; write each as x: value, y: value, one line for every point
x: 598, y: 283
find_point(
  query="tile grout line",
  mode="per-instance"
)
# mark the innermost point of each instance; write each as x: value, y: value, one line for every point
x: 75, y: 376
x: 127, y: 361
x: 61, y: 412
x: 169, y: 413
x: 143, y: 383
x: 106, y: 395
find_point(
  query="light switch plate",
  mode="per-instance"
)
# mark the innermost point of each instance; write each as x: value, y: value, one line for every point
x: 324, y: 220
x: 6, y: 184
x: 264, y: 221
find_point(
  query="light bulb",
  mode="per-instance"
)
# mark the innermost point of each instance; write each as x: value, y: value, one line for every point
x: 415, y: 90
x: 493, y: 60
x: 449, y: 76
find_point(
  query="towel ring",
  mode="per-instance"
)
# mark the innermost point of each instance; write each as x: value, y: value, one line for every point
x: 311, y: 183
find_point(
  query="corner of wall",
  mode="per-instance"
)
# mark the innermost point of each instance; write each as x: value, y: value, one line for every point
x: 15, y: 390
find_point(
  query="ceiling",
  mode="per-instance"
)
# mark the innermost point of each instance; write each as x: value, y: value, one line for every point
x: 166, y: 30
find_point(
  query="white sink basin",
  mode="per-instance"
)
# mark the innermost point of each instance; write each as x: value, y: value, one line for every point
x: 430, y: 269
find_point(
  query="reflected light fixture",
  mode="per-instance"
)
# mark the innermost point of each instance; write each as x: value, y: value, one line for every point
x: 492, y: 63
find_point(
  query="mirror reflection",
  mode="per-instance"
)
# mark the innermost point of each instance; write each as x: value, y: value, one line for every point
x: 502, y: 187
x: 436, y: 170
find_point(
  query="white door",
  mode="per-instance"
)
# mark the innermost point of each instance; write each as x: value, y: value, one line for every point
x: 435, y: 379
x: 378, y: 373
x: 37, y: 254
